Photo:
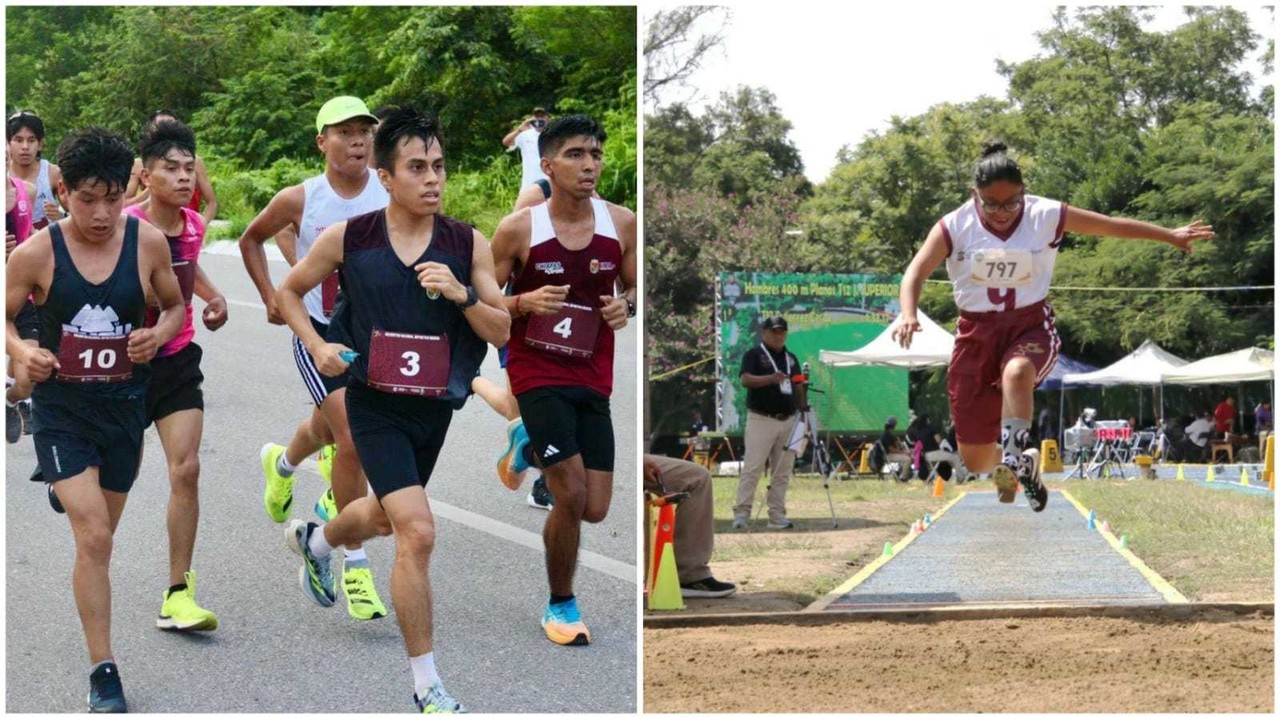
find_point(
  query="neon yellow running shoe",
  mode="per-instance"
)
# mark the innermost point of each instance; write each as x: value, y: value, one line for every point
x: 277, y: 496
x: 180, y: 611
x: 362, y: 596
x: 324, y: 461
x: 327, y: 506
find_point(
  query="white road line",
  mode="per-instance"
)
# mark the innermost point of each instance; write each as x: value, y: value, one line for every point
x: 501, y: 530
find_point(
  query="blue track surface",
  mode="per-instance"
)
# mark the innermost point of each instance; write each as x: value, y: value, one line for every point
x: 1227, y: 477
x: 984, y: 552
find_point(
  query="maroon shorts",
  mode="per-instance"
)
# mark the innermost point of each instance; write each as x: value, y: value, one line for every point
x: 985, y: 343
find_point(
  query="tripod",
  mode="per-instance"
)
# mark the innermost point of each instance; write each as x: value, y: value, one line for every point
x: 821, y: 453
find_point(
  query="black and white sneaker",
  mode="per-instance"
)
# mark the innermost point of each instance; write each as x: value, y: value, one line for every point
x: 24, y: 411
x: 106, y: 694
x: 709, y: 588
x: 540, y: 497
x: 12, y: 423
x: 1029, y: 477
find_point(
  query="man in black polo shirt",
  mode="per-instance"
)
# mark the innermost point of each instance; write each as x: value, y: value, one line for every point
x: 774, y: 396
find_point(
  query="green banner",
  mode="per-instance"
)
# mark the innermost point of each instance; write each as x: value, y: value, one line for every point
x: 824, y: 312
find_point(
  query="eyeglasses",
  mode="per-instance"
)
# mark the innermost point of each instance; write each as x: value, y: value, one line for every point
x: 1010, y: 206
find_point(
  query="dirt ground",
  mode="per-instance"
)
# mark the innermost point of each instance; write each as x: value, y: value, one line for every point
x: 1219, y: 662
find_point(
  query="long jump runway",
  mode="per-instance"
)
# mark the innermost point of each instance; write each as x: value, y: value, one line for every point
x: 979, y: 552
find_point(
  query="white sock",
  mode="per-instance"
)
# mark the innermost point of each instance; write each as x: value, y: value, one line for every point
x: 283, y: 467
x: 355, y: 555
x: 424, y: 673
x: 1014, y: 434
x: 320, y: 547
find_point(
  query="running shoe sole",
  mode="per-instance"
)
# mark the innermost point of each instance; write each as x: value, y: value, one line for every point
x: 203, y: 625
x: 511, y: 479
x: 1006, y: 483
x: 1034, y: 454
x: 294, y: 534
x: 573, y: 638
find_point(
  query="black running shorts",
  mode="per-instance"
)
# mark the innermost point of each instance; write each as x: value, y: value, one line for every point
x: 564, y: 421
x: 72, y: 434
x: 175, y: 383
x: 398, y: 437
x: 319, y: 385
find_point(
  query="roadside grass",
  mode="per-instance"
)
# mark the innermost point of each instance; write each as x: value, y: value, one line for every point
x: 1212, y: 545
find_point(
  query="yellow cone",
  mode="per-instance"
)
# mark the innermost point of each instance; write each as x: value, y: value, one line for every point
x: 1269, y: 462
x: 665, y: 595
x: 1181, y: 474
x: 1244, y: 476
x: 864, y: 465
x: 1210, y: 478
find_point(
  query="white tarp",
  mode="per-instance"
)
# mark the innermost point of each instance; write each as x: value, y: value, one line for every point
x: 1146, y: 365
x: 1247, y: 365
x: 931, y: 347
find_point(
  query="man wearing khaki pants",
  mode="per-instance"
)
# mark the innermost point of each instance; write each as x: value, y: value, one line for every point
x: 694, y: 538
x: 773, y: 399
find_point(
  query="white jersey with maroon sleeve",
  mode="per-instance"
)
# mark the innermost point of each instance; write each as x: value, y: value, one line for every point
x: 321, y: 207
x: 995, y: 272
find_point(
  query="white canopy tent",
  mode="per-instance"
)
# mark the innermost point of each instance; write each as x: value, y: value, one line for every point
x: 931, y: 347
x: 1146, y: 365
x: 1252, y: 364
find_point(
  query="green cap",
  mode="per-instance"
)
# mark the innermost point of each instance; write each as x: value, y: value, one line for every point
x: 341, y: 109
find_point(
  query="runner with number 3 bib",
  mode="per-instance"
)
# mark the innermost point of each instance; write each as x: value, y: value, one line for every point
x: 1000, y: 248
x: 419, y: 304
x: 565, y: 259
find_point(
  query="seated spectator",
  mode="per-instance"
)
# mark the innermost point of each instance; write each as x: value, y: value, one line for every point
x: 893, y: 452
x: 1196, y: 442
x: 1262, y: 425
x: 924, y: 439
x: 695, y: 529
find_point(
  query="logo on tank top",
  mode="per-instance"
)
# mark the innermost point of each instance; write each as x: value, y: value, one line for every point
x: 551, y: 268
x: 97, y: 322
x: 597, y: 265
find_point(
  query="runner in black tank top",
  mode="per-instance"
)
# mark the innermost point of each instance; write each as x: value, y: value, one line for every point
x: 420, y: 302
x: 90, y: 274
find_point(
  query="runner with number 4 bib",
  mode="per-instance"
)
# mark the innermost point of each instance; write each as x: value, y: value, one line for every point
x: 419, y: 304
x: 565, y: 259
x: 90, y: 275
x: 347, y: 188
x: 1000, y: 248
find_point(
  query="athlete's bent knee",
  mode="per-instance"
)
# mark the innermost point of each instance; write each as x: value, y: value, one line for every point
x: 1019, y: 372
x: 594, y: 515
x: 184, y: 473
x: 95, y: 544
x: 418, y: 537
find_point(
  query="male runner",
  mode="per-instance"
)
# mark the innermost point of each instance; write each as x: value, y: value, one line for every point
x: 175, y: 401
x: 25, y: 134
x: 19, y: 196
x: 202, y: 189
x: 567, y: 255
x: 346, y: 189
x: 420, y: 302
x: 90, y: 274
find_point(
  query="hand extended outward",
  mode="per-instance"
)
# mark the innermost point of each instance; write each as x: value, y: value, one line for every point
x: 1183, y: 236
x: 903, y: 328
x: 614, y: 311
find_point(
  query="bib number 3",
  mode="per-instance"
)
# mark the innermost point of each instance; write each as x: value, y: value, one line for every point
x: 402, y: 363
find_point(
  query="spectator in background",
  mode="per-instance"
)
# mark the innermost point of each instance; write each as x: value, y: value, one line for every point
x: 1196, y: 442
x: 1224, y: 417
x: 923, y: 439
x: 774, y: 397
x: 695, y: 528
x: 892, y: 451
x: 1044, y: 426
x: 525, y: 139
x: 1262, y: 424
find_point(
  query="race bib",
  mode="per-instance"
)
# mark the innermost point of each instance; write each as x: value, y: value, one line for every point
x: 185, y: 270
x: 329, y: 294
x: 85, y: 358
x: 571, y: 331
x: 409, y: 364
x: 999, y: 267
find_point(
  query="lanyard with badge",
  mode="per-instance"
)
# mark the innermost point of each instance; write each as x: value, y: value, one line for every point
x: 786, y: 383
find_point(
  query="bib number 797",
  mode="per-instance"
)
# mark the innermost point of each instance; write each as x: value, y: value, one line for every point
x: 564, y: 328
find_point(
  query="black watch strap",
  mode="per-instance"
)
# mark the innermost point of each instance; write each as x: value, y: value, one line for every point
x: 631, y: 308
x: 472, y: 298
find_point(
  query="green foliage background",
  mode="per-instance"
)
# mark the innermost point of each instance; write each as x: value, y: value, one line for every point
x: 249, y: 81
x: 1165, y: 127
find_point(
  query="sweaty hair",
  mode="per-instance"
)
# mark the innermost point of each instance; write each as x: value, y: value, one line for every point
x: 382, y: 112
x: 98, y: 154
x: 996, y: 165
x: 164, y: 136
x: 21, y: 119
x: 558, y: 131
x: 403, y: 123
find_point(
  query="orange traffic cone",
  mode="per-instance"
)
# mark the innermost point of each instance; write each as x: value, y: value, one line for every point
x: 938, y: 489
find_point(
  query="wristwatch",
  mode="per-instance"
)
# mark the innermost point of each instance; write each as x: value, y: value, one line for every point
x: 631, y: 308
x: 471, y: 298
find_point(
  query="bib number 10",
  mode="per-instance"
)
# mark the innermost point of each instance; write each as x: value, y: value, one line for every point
x: 106, y: 359
x: 564, y: 328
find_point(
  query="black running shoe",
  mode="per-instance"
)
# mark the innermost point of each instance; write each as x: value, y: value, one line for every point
x: 540, y: 497
x: 12, y: 423
x: 707, y: 588
x: 24, y: 411
x: 1029, y: 477
x: 106, y: 694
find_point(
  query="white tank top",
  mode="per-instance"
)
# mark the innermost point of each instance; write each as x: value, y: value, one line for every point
x: 323, y: 207
x: 990, y: 273
x: 44, y: 192
x: 542, y: 230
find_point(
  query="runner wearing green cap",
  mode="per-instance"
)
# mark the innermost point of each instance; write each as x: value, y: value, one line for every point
x: 347, y: 188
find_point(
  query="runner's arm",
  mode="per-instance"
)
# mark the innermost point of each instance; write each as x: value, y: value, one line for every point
x: 215, y: 312
x: 615, y: 308
x: 22, y: 277
x: 284, y: 208
x: 927, y: 259
x: 55, y: 177
x: 488, y: 317
x: 1084, y: 222
x: 510, y: 248
x: 133, y: 192
x: 153, y: 253
x: 320, y: 262
x: 206, y: 191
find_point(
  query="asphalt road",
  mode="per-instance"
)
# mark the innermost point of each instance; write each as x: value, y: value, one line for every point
x: 276, y: 651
